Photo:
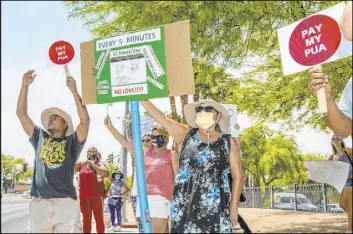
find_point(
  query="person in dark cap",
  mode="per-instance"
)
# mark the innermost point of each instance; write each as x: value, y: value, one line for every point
x: 117, y: 190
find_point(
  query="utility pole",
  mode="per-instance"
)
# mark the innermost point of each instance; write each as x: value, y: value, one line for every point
x: 123, y: 159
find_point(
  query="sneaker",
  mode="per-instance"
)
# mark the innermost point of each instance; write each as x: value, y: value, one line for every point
x: 116, y: 229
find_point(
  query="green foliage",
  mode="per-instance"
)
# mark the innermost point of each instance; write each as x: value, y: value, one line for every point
x: 107, y: 180
x: 8, y: 169
x: 273, y: 158
x: 128, y: 182
x: 269, y: 97
x: 27, y: 174
x: 213, y: 82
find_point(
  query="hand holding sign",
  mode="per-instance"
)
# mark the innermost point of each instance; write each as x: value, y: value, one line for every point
x: 320, y: 87
x: 71, y: 84
x: 28, y: 78
x: 318, y: 80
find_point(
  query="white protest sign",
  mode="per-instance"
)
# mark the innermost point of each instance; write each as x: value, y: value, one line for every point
x: 147, y: 123
x: 232, y: 109
x: 334, y: 173
x: 314, y: 40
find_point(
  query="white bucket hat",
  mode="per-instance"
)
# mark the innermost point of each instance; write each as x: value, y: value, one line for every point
x: 47, y: 113
x: 190, y: 114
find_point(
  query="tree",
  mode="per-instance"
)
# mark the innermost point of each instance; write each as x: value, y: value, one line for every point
x: 271, y: 157
x: 27, y: 174
x: 110, y: 159
x: 238, y: 35
x: 8, y: 170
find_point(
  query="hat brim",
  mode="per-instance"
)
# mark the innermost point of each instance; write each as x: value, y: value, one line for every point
x: 190, y: 114
x: 47, y: 113
x: 118, y: 172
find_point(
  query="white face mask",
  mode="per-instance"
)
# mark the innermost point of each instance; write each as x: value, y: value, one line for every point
x: 205, y: 120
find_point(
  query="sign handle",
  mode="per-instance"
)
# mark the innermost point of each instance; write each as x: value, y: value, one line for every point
x: 321, y: 97
x: 66, y: 68
x: 139, y: 168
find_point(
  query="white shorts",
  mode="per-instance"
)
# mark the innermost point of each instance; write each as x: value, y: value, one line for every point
x: 159, y: 207
x: 54, y: 215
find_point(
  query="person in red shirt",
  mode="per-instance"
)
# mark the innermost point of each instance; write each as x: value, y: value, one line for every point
x: 91, y: 192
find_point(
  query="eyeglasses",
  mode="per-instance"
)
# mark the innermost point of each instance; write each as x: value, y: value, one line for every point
x: 153, y: 137
x: 146, y: 140
x: 205, y: 108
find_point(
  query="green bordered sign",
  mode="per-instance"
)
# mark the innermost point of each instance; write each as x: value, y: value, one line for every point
x: 131, y: 66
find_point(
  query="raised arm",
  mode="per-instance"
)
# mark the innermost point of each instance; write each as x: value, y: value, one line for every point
x: 83, y: 127
x: 21, y: 111
x: 176, y: 130
x: 101, y: 169
x: 237, y: 176
x: 340, y: 124
x: 120, y: 138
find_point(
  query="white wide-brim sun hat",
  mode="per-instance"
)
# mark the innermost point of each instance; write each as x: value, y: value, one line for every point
x: 47, y: 113
x: 190, y: 114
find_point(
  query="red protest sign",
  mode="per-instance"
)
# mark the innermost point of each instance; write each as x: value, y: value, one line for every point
x: 61, y: 52
x: 315, y: 40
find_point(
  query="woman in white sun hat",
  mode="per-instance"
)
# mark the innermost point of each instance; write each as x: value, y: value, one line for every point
x: 202, y: 200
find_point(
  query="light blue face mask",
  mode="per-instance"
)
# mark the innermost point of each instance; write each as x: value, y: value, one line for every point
x: 117, y: 177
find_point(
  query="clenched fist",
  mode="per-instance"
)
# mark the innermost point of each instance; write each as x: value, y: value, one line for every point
x: 28, y: 78
x: 71, y: 84
x: 108, y: 122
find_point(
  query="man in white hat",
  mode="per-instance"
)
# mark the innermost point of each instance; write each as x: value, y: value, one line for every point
x: 57, y: 148
x: 203, y: 198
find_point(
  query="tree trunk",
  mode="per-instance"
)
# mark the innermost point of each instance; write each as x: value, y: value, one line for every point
x: 196, y: 97
x: 174, y: 114
x: 184, y: 101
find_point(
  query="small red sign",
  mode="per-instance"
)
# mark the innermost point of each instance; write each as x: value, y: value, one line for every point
x: 315, y: 40
x: 61, y: 52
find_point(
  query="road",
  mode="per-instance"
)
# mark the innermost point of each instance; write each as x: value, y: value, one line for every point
x: 14, y: 214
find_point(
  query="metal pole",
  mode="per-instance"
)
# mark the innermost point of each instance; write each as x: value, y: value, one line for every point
x: 253, y: 192
x: 324, y: 196
x: 271, y: 191
x: 123, y: 163
x: 295, y: 197
x: 139, y: 168
x: 13, y: 180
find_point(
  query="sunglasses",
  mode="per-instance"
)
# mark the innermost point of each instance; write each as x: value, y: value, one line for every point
x: 204, y: 108
x: 154, y: 137
x: 336, y: 139
x: 146, y: 140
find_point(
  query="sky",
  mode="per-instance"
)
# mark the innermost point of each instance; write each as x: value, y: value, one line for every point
x: 28, y: 29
